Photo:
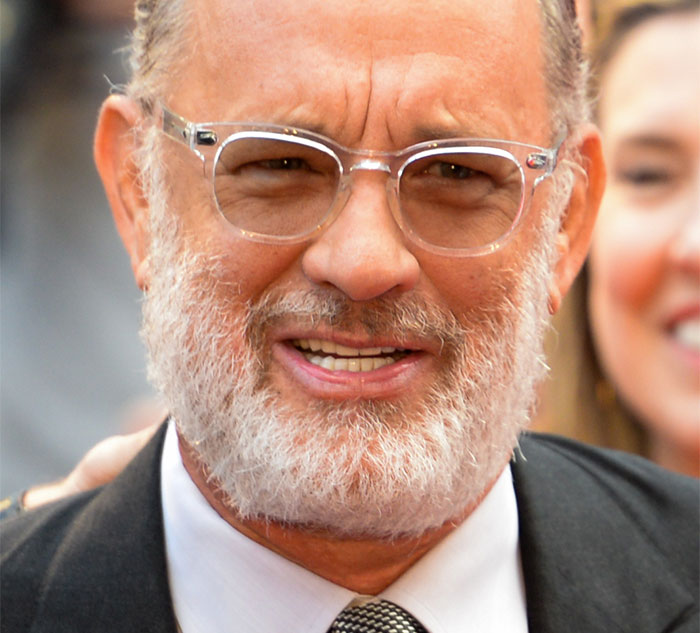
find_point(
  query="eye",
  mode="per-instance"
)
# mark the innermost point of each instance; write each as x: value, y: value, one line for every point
x: 451, y: 170
x: 286, y: 164
x: 645, y: 176
x: 272, y: 158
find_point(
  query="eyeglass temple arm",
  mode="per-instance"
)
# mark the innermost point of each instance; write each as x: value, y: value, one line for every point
x: 547, y: 160
x: 183, y: 131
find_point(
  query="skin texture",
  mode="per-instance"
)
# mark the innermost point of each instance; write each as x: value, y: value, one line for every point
x: 372, y: 76
x: 645, y: 261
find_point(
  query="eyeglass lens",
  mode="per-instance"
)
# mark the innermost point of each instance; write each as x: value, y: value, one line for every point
x: 453, y: 198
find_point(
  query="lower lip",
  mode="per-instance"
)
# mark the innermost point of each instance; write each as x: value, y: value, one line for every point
x: 386, y: 382
x: 688, y: 355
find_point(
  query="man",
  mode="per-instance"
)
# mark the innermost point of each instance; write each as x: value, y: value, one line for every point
x: 347, y: 281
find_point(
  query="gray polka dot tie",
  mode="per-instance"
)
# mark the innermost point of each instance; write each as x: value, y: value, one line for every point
x: 376, y: 617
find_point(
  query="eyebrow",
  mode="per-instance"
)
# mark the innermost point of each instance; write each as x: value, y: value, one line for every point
x: 316, y: 128
x: 654, y: 141
x: 421, y: 132
x: 298, y: 124
x: 437, y: 133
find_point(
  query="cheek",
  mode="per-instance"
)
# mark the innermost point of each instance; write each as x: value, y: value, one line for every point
x: 239, y: 267
x: 250, y: 268
x: 487, y: 284
x: 627, y: 255
x: 468, y: 284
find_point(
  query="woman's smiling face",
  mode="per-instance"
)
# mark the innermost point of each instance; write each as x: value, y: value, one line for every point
x: 645, y: 261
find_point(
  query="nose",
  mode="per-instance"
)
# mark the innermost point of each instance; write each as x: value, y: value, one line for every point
x: 685, y: 248
x: 363, y: 253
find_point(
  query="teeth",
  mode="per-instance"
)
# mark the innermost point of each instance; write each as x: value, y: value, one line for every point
x: 341, y: 350
x: 328, y: 347
x: 688, y: 333
x: 338, y: 357
x: 349, y: 364
x: 367, y: 364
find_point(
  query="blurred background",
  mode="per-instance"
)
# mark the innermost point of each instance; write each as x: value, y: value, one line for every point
x: 71, y: 362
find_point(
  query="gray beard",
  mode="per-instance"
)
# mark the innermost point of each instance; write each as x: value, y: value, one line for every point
x: 367, y: 468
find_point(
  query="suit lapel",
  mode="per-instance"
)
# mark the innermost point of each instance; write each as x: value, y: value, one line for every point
x: 587, y: 562
x: 111, y: 570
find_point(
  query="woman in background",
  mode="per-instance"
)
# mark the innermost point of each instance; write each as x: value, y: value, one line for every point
x: 630, y: 354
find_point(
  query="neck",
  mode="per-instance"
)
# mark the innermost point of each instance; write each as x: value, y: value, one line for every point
x: 363, y: 565
x: 684, y: 460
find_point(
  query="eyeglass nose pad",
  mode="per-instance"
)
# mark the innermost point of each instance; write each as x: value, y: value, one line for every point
x: 345, y: 188
x: 203, y: 160
x: 392, y: 197
x: 341, y: 198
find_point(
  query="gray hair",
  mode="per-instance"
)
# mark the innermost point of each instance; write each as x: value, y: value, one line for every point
x: 159, y: 39
x: 156, y: 41
x: 566, y: 67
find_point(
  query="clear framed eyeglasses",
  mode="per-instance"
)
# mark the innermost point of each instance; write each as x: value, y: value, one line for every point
x: 283, y: 185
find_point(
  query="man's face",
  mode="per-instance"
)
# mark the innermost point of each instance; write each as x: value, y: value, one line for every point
x: 456, y: 335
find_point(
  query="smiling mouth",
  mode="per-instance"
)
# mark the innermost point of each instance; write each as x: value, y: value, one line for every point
x: 687, y: 333
x: 336, y: 357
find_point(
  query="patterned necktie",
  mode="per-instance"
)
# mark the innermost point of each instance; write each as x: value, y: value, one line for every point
x: 376, y: 617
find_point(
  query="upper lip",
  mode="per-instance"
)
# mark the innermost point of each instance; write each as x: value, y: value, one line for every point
x: 682, y: 313
x: 357, y: 341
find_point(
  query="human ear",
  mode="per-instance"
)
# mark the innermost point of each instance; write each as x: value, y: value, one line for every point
x: 115, y: 144
x: 576, y: 228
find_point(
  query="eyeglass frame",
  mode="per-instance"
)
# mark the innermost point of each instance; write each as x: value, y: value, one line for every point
x: 196, y: 135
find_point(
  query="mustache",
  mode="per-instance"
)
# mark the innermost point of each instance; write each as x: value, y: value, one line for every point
x: 409, y: 315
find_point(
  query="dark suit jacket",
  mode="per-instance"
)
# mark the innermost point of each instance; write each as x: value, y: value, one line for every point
x: 609, y: 543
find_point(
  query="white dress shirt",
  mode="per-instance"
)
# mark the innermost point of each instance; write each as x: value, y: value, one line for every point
x: 223, y: 581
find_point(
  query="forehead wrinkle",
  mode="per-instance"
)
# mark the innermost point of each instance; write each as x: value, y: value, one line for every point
x: 370, y: 83
x: 443, y: 121
x: 479, y: 106
x: 448, y: 122
x: 310, y: 116
x: 227, y: 53
x: 340, y: 102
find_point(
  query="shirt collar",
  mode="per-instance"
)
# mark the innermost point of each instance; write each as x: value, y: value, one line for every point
x: 234, y: 584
